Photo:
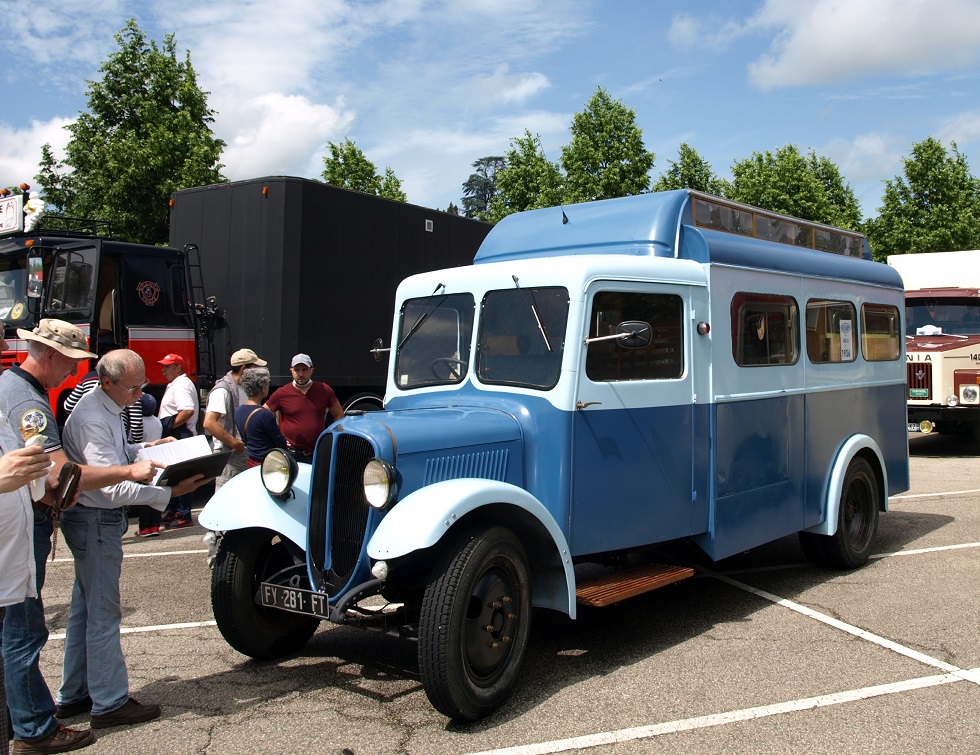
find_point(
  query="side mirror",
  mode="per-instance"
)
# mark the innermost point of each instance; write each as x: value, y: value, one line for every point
x: 35, y: 276
x: 634, y: 334
x: 379, y: 349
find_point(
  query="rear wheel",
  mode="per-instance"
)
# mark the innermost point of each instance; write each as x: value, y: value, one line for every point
x: 245, y: 559
x: 857, y: 521
x: 474, y: 624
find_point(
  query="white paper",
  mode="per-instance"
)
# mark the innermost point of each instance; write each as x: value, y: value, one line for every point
x: 174, y: 451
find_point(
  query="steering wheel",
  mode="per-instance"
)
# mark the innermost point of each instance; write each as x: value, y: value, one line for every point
x: 455, y: 367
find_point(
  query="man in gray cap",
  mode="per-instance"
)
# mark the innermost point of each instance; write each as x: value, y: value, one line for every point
x: 219, y: 414
x: 303, y: 406
x: 54, y: 350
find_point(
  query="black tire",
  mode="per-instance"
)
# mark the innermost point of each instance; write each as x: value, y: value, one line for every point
x: 857, y: 518
x: 474, y: 624
x: 365, y: 402
x: 245, y: 558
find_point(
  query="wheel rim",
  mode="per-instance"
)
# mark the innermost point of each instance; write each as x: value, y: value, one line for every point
x: 857, y: 512
x: 491, y: 625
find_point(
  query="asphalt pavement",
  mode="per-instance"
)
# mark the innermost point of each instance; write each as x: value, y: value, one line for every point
x: 759, y: 653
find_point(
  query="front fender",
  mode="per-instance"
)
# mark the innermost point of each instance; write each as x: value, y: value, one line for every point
x: 848, y: 451
x: 422, y: 518
x: 244, y: 502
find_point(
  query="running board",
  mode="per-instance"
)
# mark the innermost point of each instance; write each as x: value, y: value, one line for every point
x: 629, y: 583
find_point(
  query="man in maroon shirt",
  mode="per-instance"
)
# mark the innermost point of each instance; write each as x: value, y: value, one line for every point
x: 303, y: 406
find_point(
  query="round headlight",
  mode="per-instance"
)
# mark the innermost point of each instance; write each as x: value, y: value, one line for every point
x: 279, y: 472
x: 379, y: 483
x: 951, y: 400
x: 970, y: 393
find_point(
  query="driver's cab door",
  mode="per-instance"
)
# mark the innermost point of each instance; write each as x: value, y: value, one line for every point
x: 72, y: 276
x: 636, y: 421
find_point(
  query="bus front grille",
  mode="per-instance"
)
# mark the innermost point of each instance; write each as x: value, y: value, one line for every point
x: 918, y: 376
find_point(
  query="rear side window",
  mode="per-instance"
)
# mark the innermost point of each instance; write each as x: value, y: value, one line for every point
x: 880, y: 333
x: 830, y: 331
x: 765, y: 330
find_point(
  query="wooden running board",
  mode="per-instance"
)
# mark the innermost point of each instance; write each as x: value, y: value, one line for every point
x: 629, y: 583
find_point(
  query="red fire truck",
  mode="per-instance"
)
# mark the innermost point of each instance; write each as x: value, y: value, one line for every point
x: 146, y: 298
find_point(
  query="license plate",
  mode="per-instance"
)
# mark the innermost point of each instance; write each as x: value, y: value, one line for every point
x: 918, y: 393
x: 914, y: 427
x: 294, y: 599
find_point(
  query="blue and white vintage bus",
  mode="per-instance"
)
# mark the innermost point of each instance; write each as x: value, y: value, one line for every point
x: 607, y: 378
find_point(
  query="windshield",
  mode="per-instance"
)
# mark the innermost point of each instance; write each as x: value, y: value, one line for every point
x: 522, y: 336
x: 13, y: 289
x: 434, y: 340
x: 952, y: 316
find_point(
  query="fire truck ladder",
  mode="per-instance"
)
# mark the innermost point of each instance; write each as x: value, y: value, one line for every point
x: 206, y: 316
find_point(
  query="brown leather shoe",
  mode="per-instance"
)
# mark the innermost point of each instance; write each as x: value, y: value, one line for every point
x: 131, y: 712
x: 61, y: 739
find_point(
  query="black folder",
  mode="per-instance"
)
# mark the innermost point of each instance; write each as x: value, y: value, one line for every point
x: 210, y: 465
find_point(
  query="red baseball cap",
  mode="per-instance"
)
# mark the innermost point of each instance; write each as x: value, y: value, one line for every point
x: 172, y: 359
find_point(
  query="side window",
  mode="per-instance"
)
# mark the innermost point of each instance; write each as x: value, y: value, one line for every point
x: 830, y: 331
x: 72, y: 282
x: 765, y: 330
x: 660, y: 359
x: 880, y: 335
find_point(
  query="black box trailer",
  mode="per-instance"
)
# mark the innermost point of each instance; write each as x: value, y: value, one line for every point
x: 302, y: 266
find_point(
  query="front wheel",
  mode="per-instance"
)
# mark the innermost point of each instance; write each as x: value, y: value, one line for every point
x: 474, y: 624
x: 244, y: 560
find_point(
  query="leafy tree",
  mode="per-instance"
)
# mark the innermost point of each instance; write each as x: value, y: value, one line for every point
x: 452, y: 209
x: 934, y: 207
x: 147, y: 134
x: 606, y: 157
x: 792, y: 184
x: 348, y: 167
x: 691, y: 171
x: 481, y: 187
x: 528, y: 182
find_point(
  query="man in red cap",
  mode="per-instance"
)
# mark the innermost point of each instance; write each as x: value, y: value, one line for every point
x: 178, y: 414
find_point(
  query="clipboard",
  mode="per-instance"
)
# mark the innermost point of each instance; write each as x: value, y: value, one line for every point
x: 210, y: 465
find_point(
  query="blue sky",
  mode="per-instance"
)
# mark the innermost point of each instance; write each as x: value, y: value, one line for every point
x: 428, y: 86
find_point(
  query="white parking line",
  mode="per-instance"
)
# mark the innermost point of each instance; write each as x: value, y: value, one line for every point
x: 720, y: 719
x: 155, y: 628
x: 932, y: 495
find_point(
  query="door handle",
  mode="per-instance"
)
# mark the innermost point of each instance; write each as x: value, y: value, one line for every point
x: 582, y: 405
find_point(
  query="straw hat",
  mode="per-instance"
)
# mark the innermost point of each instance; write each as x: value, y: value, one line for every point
x: 59, y: 335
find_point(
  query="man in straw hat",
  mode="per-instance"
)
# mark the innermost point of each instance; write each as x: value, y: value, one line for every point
x: 54, y: 350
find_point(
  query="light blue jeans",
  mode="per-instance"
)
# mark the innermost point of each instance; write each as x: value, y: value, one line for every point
x: 24, y: 635
x: 94, y: 665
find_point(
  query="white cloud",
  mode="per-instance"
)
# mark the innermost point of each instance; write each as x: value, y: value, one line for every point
x: 275, y: 134
x: 964, y: 130
x: 21, y: 151
x: 828, y: 41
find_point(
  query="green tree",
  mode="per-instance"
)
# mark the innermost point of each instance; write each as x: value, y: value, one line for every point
x: 529, y: 181
x: 348, y: 167
x: 792, y: 184
x: 606, y: 157
x: 481, y: 187
x: 690, y: 171
x: 934, y: 207
x: 147, y: 133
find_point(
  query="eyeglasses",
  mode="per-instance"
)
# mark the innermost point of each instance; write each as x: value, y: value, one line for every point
x: 133, y: 390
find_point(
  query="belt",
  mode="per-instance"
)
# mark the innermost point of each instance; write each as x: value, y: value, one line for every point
x: 40, y: 507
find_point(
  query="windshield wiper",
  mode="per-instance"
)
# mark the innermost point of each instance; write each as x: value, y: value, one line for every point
x: 534, y: 311
x: 424, y: 314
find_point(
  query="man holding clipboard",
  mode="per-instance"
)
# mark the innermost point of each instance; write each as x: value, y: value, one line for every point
x: 95, y: 677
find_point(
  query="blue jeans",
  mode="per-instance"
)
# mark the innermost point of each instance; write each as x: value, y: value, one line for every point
x: 24, y: 635
x: 94, y: 664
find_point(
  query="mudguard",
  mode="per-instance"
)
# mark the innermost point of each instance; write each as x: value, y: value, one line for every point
x: 244, y: 502
x: 423, y: 517
x: 847, y: 452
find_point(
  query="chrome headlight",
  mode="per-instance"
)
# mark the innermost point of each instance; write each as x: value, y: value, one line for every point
x: 380, y: 486
x: 951, y: 400
x: 279, y: 470
x: 969, y: 394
